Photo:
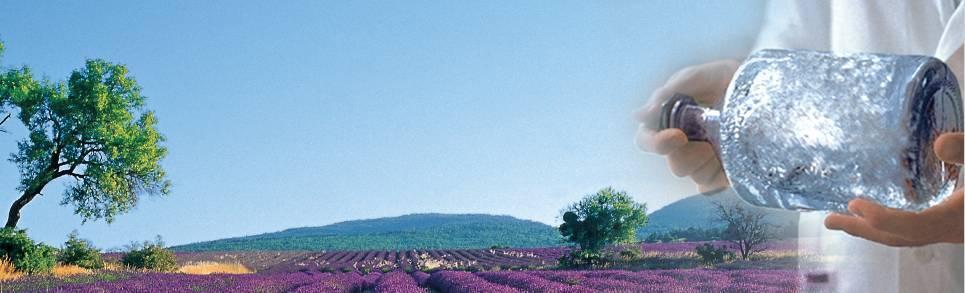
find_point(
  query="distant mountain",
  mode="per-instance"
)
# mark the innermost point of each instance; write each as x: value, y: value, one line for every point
x: 698, y: 211
x: 415, y: 231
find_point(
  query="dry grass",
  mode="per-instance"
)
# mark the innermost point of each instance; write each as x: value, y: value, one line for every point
x: 766, y: 260
x: 773, y: 254
x: 114, y: 266
x: 7, y: 271
x: 68, y: 270
x: 210, y: 267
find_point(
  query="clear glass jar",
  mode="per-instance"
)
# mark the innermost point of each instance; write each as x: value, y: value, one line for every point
x: 808, y: 130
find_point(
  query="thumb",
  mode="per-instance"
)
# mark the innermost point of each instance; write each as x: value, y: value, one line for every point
x: 949, y: 147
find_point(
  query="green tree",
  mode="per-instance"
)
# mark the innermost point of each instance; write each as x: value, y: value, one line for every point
x: 80, y: 252
x: 27, y: 256
x: 151, y: 256
x: 607, y: 217
x: 92, y: 130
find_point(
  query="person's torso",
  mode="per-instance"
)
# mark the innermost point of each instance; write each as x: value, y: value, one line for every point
x: 927, y: 27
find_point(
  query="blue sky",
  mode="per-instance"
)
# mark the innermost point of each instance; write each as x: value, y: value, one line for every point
x: 304, y: 113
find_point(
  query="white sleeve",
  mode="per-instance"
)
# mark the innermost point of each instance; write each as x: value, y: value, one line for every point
x: 796, y: 24
x: 953, y: 37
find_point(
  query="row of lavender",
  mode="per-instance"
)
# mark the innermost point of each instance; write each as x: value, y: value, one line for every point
x: 276, y: 282
x: 414, y: 260
x: 694, y: 280
x: 377, y: 261
x: 690, y: 280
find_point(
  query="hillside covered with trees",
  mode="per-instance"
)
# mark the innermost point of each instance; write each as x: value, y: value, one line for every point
x: 415, y: 231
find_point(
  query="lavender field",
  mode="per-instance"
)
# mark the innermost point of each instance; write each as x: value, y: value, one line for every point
x: 471, y: 270
x: 383, y: 146
x: 679, y: 280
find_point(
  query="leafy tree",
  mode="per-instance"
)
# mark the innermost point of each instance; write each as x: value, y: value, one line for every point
x: 150, y: 256
x: 26, y: 255
x: 655, y: 237
x: 746, y: 228
x: 80, y: 252
x: 92, y: 130
x: 607, y: 217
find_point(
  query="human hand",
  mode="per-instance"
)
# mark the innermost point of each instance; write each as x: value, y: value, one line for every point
x: 942, y: 223
x: 706, y: 83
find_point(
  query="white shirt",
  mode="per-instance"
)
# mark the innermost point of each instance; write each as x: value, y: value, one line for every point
x: 922, y: 27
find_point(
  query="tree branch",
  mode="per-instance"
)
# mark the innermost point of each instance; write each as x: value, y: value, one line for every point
x: 71, y: 173
x: 88, y: 142
x: 57, y: 128
x: 4, y: 121
x: 80, y: 159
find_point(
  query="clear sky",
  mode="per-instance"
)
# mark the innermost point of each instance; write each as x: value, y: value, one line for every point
x: 302, y: 113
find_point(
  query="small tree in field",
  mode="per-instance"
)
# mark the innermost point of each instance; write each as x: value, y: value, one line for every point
x: 607, y: 217
x: 150, y: 256
x: 746, y: 228
x: 80, y: 252
x: 92, y: 130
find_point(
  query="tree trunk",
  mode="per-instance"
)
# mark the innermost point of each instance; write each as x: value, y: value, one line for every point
x: 49, y: 174
x: 14, y: 215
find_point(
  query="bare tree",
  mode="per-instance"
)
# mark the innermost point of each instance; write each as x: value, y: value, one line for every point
x: 746, y: 227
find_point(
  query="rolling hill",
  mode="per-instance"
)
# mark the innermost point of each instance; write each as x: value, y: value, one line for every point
x: 415, y: 231
x: 458, y: 231
x: 699, y: 211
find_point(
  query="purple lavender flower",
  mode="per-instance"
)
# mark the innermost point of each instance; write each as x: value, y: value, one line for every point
x: 399, y: 282
x: 463, y: 282
x: 530, y: 283
x: 420, y: 277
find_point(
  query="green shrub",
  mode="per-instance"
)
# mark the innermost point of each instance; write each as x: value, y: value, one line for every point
x: 40, y: 259
x: 584, y: 259
x: 27, y: 256
x: 713, y: 255
x: 151, y: 256
x: 81, y: 253
x: 631, y: 254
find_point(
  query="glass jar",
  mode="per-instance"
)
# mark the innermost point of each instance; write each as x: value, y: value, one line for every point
x: 808, y: 130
